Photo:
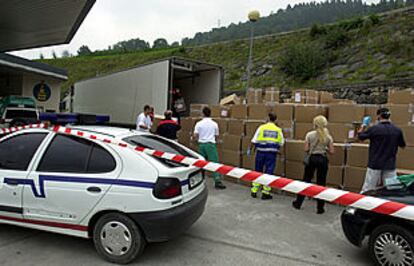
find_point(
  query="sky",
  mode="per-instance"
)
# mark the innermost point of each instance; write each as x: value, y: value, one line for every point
x: 110, y: 21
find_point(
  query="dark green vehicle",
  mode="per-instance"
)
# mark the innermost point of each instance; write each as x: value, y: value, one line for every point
x: 18, y: 110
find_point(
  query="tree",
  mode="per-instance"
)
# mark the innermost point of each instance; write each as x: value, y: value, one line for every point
x: 41, y: 56
x: 160, y: 43
x: 131, y: 45
x: 175, y: 44
x: 54, y: 54
x: 65, y: 54
x: 84, y: 50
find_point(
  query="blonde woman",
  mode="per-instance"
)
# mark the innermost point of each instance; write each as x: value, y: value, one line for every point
x: 318, y: 143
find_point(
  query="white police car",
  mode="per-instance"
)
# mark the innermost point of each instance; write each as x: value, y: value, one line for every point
x: 119, y: 197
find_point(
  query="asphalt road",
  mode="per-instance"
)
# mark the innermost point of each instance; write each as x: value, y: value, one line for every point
x: 234, y: 230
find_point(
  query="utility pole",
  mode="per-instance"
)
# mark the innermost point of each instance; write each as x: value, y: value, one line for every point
x: 253, y: 18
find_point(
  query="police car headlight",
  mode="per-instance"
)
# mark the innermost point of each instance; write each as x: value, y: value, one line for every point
x: 350, y: 210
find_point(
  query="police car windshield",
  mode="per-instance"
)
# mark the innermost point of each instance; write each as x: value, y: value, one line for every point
x: 159, y: 144
x: 18, y: 113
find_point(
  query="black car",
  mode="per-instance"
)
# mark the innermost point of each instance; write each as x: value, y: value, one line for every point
x: 391, y: 239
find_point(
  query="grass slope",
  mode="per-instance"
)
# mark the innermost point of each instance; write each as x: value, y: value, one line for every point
x: 373, y: 52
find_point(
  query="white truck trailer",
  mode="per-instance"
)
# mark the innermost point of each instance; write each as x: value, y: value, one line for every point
x: 122, y: 95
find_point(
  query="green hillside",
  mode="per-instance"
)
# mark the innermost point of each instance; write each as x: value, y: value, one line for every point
x: 352, y: 51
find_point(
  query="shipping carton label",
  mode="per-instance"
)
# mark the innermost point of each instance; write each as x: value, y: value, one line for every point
x: 351, y: 134
x: 298, y: 97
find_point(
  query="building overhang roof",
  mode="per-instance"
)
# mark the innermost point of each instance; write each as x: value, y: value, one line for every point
x: 29, y: 24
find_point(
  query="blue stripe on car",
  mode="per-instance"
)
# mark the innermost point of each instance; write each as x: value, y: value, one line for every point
x: 73, y: 179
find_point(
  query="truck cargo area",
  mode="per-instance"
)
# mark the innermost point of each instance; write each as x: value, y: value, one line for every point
x: 122, y: 95
x: 198, y: 82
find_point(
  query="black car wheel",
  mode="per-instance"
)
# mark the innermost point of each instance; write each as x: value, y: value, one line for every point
x: 118, y: 239
x: 392, y: 245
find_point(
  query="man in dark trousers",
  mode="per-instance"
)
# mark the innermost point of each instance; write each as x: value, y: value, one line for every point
x: 168, y: 128
x: 385, y: 138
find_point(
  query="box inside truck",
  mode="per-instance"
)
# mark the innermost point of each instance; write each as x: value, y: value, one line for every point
x: 197, y: 82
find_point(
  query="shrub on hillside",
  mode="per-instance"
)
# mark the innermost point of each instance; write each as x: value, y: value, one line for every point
x: 335, y: 38
x: 303, y: 60
x: 374, y: 19
x: 351, y: 24
x: 317, y: 30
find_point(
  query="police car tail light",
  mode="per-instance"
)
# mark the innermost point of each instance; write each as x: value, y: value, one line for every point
x: 167, y: 188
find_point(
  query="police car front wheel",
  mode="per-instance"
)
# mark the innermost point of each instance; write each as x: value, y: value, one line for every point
x: 117, y: 238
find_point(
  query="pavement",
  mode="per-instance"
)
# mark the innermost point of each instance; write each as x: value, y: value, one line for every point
x: 234, y: 230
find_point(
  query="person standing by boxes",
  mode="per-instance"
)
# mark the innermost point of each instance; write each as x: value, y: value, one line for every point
x: 385, y: 138
x: 206, y: 132
x: 267, y: 141
x: 144, y: 122
x: 318, y: 143
x: 168, y: 128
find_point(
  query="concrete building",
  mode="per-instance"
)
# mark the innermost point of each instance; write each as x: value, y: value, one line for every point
x: 23, y: 77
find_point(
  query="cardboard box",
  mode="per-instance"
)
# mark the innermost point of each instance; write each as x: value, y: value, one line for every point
x: 354, y: 178
x: 231, y: 142
x: 196, y: 109
x: 326, y: 97
x: 280, y: 167
x: 258, y: 111
x: 251, y: 126
x: 230, y: 157
x: 184, y: 137
x: 346, y: 113
x: 312, y: 97
x: 188, y: 123
x: 231, y: 99
x: 254, y: 96
x: 294, y: 170
x: 220, y: 111
x: 248, y: 162
x: 401, y: 96
x: 408, y: 132
x: 342, y: 132
x: 157, y: 120
x: 299, y: 96
x: 305, y: 113
x: 401, y: 114
x: 301, y: 129
x: 246, y: 142
x: 338, y: 158
x: 222, y: 124
x: 284, y: 111
x: 294, y: 150
x: 335, y: 176
x: 239, y: 111
x: 357, y: 155
x: 235, y: 127
x: 271, y: 96
x: 405, y: 158
x: 287, y: 128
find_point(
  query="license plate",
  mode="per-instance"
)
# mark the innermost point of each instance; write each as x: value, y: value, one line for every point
x: 195, y: 180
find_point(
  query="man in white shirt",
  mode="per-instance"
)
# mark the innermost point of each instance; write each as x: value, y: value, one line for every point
x: 144, y: 122
x: 206, y: 132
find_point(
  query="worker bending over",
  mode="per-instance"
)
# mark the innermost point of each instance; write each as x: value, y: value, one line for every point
x: 267, y: 141
x: 167, y: 127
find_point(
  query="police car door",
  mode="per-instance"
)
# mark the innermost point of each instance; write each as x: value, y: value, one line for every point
x: 70, y: 178
x: 16, y: 158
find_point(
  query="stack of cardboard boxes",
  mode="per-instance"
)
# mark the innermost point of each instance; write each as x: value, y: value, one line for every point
x: 238, y: 123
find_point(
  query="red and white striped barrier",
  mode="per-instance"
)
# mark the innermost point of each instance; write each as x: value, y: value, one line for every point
x: 332, y: 195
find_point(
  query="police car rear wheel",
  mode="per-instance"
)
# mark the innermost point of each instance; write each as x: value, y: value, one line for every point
x: 117, y: 238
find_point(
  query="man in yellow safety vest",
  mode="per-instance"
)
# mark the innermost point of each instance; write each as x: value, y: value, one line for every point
x: 267, y: 140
